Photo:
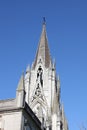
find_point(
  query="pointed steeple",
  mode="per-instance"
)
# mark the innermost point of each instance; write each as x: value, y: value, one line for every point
x: 64, y: 120
x: 21, y: 83
x: 20, y: 93
x: 58, y: 83
x: 43, y: 49
x: 28, y: 69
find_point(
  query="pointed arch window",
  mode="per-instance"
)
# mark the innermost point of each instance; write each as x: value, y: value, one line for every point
x: 40, y: 75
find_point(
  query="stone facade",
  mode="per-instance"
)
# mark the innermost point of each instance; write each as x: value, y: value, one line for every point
x: 37, y: 104
x: 42, y: 87
x: 15, y: 114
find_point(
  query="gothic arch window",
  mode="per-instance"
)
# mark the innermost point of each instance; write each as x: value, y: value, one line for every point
x: 40, y: 75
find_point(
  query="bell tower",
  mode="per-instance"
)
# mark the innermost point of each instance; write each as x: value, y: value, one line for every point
x: 43, y: 87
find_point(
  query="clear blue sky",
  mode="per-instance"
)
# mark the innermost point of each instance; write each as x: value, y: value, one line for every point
x: 20, y: 29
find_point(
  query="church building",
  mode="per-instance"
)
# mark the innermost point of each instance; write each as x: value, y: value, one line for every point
x: 37, y: 104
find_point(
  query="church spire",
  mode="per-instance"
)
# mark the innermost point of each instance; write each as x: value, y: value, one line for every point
x: 43, y: 49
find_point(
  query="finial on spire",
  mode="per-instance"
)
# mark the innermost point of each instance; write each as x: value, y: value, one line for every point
x: 21, y: 83
x: 44, y: 20
x: 43, y: 48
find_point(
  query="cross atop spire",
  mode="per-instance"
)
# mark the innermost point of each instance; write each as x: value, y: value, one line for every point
x: 44, y: 20
x: 43, y: 49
